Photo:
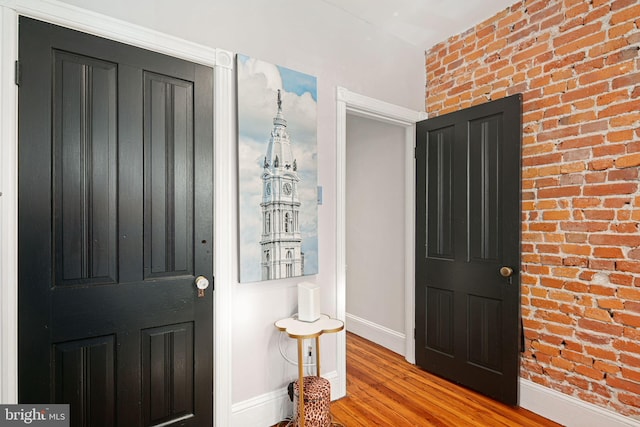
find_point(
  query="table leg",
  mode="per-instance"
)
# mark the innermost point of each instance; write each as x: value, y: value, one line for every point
x: 318, y: 355
x: 301, y: 381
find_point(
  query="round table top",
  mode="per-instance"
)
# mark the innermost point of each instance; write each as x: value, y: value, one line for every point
x: 298, y: 329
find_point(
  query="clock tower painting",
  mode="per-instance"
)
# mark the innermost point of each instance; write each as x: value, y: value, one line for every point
x: 277, y: 171
x: 281, y: 241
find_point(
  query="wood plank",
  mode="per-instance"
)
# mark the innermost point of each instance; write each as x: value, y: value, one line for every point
x: 383, y: 389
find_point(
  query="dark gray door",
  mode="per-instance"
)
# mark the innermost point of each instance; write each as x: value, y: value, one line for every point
x: 468, y: 247
x: 115, y: 223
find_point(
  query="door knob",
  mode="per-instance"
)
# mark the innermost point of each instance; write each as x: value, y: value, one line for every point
x: 506, y: 271
x: 202, y: 283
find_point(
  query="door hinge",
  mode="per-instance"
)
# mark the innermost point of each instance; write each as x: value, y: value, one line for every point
x: 18, y: 73
x: 414, y: 153
x: 414, y: 333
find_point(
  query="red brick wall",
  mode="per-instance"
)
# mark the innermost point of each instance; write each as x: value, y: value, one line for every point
x: 577, y: 64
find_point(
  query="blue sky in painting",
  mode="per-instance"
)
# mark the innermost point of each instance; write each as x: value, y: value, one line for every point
x: 298, y: 83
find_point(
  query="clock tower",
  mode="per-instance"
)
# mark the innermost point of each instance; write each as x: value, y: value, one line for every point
x: 281, y: 242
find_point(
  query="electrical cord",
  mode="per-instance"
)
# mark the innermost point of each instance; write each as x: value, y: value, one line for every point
x: 284, y: 356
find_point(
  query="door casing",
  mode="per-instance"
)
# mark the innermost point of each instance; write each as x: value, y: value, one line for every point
x: 106, y: 27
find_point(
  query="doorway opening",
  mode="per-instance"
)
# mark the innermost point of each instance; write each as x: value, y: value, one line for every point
x: 375, y: 246
x: 355, y: 105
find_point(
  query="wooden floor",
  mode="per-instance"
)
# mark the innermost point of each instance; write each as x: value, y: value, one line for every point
x: 385, y: 390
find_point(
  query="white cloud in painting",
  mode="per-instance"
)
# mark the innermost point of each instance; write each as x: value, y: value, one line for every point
x: 258, y: 84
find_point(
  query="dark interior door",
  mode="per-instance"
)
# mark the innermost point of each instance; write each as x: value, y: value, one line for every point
x: 115, y: 223
x: 468, y: 247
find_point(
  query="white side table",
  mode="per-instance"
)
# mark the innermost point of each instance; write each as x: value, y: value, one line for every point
x: 305, y: 330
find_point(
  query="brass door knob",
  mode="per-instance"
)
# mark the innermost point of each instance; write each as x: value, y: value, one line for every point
x: 506, y: 271
x: 202, y: 283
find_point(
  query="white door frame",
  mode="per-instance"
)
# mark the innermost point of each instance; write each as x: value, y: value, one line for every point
x: 360, y: 105
x: 90, y: 22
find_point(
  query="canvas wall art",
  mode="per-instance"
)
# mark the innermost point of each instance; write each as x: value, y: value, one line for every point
x: 277, y: 156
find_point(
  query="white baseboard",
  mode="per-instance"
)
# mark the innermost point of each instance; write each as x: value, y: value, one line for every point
x: 392, y: 340
x: 567, y: 410
x: 270, y: 408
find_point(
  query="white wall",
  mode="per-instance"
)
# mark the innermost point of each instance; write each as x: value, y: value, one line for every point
x: 375, y: 230
x: 318, y: 39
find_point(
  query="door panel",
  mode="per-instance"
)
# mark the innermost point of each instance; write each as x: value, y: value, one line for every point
x: 440, y: 193
x: 168, y: 386
x: 85, y: 378
x: 468, y: 227
x: 484, y: 190
x: 115, y: 222
x: 85, y: 170
x: 168, y: 106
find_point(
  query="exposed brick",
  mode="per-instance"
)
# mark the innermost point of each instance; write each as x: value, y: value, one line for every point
x: 617, y: 202
x: 590, y: 226
x: 559, y: 192
x: 622, y: 55
x: 582, y: 43
x: 631, y: 333
x: 622, y: 279
x: 593, y: 338
x: 609, y: 150
x: 620, y: 29
x: 626, y: 346
x: 596, y: 289
x: 595, y: 178
x: 625, y: 119
x: 630, y: 266
x: 608, y: 368
x: 611, y: 304
x: 607, y: 252
x: 607, y: 47
x: 622, y: 108
x: 623, y: 384
x: 585, y: 92
x: 576, y: 34
x: 589, y: 372
x: 585, y: 141
x: 613, y: 239
x: 621, y: 4
x: 595, y: 126
x: 599, y: 264
x: 596, y: 13
x: 611, y: 97
x: 631, y: 306
x: 600, y: 327
x: 610, y: 189
x: 626, y: 227
x: 628, y: 14
x: 629, y: 399
x: 629, y: 174
x: 630, y: 360
x: 628, y: 161
x: 627, y: 319
x: 597, y: 314
x: 562, y: 363
x: 550, y: 350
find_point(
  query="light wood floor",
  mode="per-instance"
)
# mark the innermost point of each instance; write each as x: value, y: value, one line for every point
x: 385, y: 390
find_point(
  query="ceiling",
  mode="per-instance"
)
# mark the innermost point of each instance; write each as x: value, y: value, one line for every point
x: 422, y: 23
